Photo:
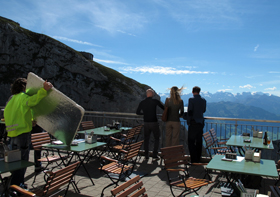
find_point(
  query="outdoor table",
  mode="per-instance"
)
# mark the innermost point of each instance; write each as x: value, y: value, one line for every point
x: 10, y: 167
x: 256, y: 143
x: 105, y: 133
x: 240, y: 166
x: 76, y: 150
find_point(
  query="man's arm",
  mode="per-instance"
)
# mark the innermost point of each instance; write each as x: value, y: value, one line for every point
x: 182, y: 108
x: 139, y: 110
x: 160, y: 104
x: 36, y: 98
x: 190, y: 107
x: 204, y: 106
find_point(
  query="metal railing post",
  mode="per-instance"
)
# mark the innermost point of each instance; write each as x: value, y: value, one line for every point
x: 236, y: 125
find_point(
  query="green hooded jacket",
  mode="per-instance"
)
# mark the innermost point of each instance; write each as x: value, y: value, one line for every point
x: 17, y: 113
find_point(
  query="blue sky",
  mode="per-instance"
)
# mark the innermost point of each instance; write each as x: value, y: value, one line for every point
x: 219, y: 45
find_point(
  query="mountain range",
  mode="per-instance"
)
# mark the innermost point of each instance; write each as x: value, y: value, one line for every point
x: 246, y: 105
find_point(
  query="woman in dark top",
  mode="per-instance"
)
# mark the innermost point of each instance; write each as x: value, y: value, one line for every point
x: 175, y: 110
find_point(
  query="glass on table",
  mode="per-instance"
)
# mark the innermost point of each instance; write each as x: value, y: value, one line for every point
x: 268, y: 141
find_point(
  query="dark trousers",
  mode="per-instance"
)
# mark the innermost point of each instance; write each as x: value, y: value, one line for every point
x: 195, y: 141
x: 37, y: 153
x: 150, y: 127
x: 20, y: 142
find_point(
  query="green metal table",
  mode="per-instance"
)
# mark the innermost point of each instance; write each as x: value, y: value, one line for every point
x: 266, y: 167
x: 76, y: 151
x: 102, y: 132
x: 241, y: 166
x: 256, y: 143
x: 105, y: 134
x: 10, y: 167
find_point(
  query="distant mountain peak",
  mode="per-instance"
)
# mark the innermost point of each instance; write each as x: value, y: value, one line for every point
x: 262, y: 100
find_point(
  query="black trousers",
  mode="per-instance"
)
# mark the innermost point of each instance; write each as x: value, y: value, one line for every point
x: 195, y: 141
x: 151, y: 127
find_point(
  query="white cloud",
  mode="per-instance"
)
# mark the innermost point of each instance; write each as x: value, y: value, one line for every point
x: 109, y: 61
x: 161, y: 70
x: 113, y: 16
x: 274, y: 72
x: 126, y: 33
x: 274, y: 88
x: 195, y: 14
x: 256, y: 47
x: 248, y: 86
x: 75, y: 41
x: 224, y: 90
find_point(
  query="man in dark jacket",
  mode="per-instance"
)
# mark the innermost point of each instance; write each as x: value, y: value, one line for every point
x: 148, y: 108
x: 196, y: 108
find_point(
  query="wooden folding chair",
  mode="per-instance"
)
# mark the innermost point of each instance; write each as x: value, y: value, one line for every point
x: 118, y: 170
x: 133, y: 187
x: 131, y: 136
x: 176, y: 166
x: 47, y: 157
x: 87, y: 125
x: 211, y: 147
x: 54, y: 182
x: 217, y: 142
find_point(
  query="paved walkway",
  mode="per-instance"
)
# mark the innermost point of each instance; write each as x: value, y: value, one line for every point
x: 154, y: 180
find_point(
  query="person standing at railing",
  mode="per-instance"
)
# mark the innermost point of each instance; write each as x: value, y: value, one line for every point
x: 175, y: 110
x: 195, y: 120
x: 18, y: 120
x: 148, y: 108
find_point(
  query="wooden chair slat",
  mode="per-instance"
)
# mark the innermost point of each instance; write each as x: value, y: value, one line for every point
x: 133, y: 188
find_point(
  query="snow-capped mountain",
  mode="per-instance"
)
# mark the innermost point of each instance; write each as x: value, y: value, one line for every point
x: 268, y: 102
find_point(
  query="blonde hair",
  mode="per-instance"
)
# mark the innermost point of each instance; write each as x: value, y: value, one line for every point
x: 175, y: 94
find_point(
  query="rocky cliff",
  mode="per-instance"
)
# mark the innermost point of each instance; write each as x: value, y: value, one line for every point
x: 90, y: 84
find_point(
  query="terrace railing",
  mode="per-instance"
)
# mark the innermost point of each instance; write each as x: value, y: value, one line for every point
x: 224, y: 127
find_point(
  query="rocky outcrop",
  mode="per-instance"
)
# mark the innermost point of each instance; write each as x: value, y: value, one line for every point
x: 90, y: 84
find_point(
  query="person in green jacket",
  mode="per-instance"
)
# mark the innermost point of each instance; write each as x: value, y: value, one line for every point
x: 18, y: 120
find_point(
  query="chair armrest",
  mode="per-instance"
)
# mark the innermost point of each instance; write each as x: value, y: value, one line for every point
x: 199, y: 164
x: 108, y: 159
x: 22, y: 191
x: 216, y: 148
x: 116, y: 139
x: 175, y: 170
x: 124, y: 151
x: 48, y: 172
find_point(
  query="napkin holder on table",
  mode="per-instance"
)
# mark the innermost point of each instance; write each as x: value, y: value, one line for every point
x: 255, y: 133
x: 231, y: 156
x: 260, y: 134
x: 257, y: 157
x: 91, y: 139
x: 12, y: 155
x: 249, y: 154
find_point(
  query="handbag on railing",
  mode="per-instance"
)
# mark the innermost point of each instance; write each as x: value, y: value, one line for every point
x: 165, y: 112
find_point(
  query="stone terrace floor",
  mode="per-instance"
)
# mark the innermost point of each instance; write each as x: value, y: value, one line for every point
x: 154, y: 180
